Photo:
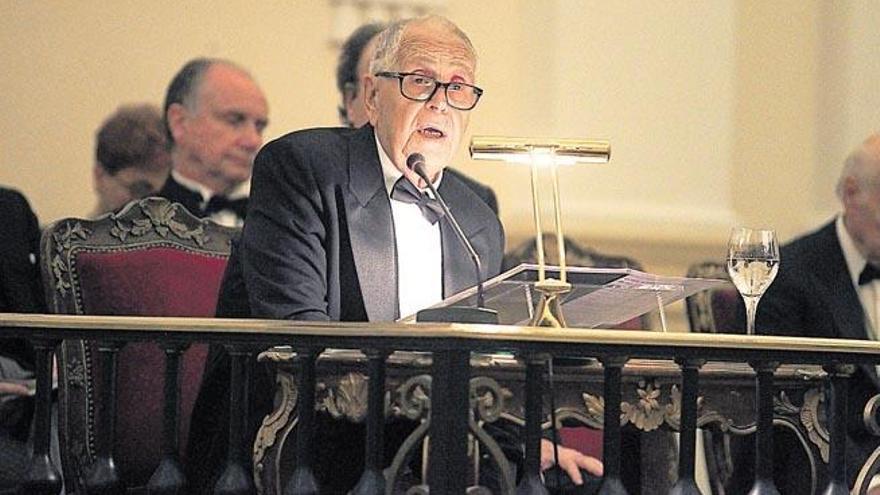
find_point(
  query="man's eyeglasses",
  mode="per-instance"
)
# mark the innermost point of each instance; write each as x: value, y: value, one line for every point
x: 419, y: 87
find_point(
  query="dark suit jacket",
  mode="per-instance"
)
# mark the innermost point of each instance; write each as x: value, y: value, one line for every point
x: 20, y: 286
x: 172, y: 190
x: 319, y: 239
x: 484, y: 192
x: 813, y: 296
x: 318, y: 244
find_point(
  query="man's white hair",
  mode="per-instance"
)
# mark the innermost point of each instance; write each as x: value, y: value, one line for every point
x: 386, y: 55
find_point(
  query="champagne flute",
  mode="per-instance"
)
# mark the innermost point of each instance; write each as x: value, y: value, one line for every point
x: 752, y: 262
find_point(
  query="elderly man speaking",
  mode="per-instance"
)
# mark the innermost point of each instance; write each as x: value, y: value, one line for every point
x: 327, y: 237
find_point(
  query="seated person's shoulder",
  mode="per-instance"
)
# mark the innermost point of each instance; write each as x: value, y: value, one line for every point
x: 12, y: 199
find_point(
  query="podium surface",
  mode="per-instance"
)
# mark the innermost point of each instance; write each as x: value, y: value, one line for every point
x: 599, y: 297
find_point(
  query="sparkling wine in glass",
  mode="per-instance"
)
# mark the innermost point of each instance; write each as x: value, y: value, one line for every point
x: 752, y: 262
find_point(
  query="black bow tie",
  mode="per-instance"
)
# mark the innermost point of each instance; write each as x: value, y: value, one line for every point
x: 221, y: 203
x: 868, y: 274
x: 405, y: 191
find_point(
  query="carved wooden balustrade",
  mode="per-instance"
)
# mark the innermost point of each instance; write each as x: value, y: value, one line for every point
x: 645, y: 379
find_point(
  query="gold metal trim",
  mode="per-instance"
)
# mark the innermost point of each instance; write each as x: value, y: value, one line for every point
x: 519, y: 149
x: 452, y: 331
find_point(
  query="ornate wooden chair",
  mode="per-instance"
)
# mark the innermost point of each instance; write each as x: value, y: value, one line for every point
x: 717, y: 310
x: 153, y: 258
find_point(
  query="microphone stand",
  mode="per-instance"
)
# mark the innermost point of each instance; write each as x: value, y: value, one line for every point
x: 456, y: 314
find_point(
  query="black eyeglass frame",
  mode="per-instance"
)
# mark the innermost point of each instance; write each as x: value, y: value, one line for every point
x: 437, y: 84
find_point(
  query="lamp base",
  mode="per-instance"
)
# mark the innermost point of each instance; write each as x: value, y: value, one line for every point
x: 548, y: 312
x: 458, y: 314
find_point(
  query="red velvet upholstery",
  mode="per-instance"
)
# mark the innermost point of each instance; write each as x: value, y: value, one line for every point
x: 151, y: 259
x: 582, y: 439
x: 159, y: 281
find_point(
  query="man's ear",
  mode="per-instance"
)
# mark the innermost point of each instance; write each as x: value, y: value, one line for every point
x: 176, y: 117
x: 371, y: 95
x: 850, y: 188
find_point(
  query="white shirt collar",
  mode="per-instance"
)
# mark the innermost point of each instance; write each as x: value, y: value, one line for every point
x: 855, y: 262
x: 240, y: 191
x: 391, y: 173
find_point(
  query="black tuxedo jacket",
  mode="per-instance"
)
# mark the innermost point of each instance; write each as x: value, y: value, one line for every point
x: 484, y: 192
x: 318, y: 244
x: 813, y: 296
x: 173, y: 191
x: 20, y: 286
x: 319, y: 239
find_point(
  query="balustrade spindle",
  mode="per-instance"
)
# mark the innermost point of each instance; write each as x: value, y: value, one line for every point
x: 764, y: 484
x: 303, y: 482
x: 531, y: 479
x: 372, y: 481
x: 168, y: 479
x: 450, y: 389
x: 690, y: 387
x: 102, y: 476
x: 837, y: 412
x: 611, y: 482
x: 42, y: 477
x: 236, y: 478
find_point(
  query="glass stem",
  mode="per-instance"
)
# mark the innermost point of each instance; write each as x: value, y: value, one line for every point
x: 751, y: 311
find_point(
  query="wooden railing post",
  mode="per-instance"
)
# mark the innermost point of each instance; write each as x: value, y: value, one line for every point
x: 690, y: 386
x: 450, y: 389
x: 236, y: 478
x: 372, y: 481
x: 42, y: 477
x: 611, y: 482
x: 837, y: 413
x: 303, y: 482
x: 531, y: 482
x: 168, y: 478
x: 102, y: 476
x: 764, y: 392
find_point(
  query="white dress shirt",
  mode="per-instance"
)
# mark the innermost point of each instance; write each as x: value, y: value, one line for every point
x: 419, y: 251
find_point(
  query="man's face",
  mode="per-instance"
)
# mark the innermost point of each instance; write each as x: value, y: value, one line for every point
x: 862, y: 218
x: 128, y: 184
x: 219, y: 137
x: 432, y: 128
x: 354, y: 97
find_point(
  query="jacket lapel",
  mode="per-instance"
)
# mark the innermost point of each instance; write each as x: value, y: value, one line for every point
x: 849, y: 316
x: 370, y: 228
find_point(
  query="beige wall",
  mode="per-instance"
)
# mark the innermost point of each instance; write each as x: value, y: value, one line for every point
x: 719, y: 113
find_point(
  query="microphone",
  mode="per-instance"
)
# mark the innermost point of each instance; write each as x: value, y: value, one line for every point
x: 453, y: 314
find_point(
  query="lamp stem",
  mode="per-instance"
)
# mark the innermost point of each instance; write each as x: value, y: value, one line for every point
x: 536, y: 204
x: 557, y: 211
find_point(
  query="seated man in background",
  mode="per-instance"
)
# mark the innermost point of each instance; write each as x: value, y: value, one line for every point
x: 215, y: 114
x: 826, y: 288
x: 353, y: 67
x: 21, y: 291
x: 131, y: 157
x: 331, y: 236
